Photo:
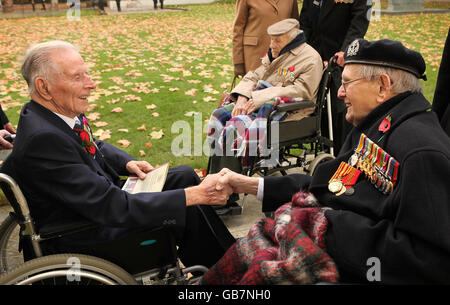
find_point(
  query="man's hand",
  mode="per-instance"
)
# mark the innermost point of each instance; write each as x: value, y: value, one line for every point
x: 207, y: 192
x: 239, y: 183
x: 239, y: 70
x: 240, y: 107
x: 250, y: 107
x: 3, y: 143
x: 9, y: 127
x: 139, y: 168
x: 340, y: 60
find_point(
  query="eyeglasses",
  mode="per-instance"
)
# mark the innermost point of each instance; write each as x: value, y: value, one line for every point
x: 350, y: 81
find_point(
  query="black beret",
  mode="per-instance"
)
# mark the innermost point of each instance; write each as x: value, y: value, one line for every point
x: 386, y: 53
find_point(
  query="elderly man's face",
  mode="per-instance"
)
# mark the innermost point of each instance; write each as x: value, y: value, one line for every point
x: 71, y: 87
x: 359, y: 95
x: 277, y: 43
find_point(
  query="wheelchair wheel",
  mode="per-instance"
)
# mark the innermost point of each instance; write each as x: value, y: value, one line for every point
x: 10, y: 256
x: 321, y: 158
x: 67, y: 269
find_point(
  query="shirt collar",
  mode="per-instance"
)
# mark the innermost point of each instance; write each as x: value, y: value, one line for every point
x: 69, y: 121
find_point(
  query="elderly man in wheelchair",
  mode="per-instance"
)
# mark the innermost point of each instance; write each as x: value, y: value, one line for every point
x: 72, y: 187
x: 290, y: 72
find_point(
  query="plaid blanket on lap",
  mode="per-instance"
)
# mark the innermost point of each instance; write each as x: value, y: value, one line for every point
x: 288, y: 249
x: 246, y: 134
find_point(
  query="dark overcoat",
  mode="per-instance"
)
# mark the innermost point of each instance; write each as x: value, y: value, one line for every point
x: 407, y: 230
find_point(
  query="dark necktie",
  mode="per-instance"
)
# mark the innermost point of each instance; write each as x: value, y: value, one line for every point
x: 84, y: 132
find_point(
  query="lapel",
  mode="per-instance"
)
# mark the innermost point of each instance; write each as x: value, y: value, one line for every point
x: 53, y: 119
x: 327, y: 7
x: 274, y: 3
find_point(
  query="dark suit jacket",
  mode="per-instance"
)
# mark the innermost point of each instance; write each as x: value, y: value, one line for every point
x: 334, y: 26
x: 64, y: 183
x: 407, y: 230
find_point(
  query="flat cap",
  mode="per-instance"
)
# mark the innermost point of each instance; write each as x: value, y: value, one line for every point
x: 386, y: 53
x: 282, y: 27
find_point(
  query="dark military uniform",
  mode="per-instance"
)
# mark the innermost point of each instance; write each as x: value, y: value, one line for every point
x: 407, y: 230
x: 441, y: 100
x: 330, y: 26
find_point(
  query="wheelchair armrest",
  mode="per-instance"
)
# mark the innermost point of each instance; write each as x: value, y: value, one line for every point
x: 59, y: 229
x: 295, y: 106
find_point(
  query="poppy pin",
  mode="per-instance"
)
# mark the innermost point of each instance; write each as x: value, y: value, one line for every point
x: 385, y: 124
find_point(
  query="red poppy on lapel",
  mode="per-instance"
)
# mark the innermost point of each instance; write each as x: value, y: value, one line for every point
x: 385, y: 124
x: 291, y: 69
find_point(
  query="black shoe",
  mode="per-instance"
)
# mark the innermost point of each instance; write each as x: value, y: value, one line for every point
x: 231, y: 208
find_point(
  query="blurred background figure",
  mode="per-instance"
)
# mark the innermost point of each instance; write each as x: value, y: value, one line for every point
x: 155, y: 4
x: 330, y: 26
x: 5, y: 122
x: 250, y: 38
x: 441, y: 100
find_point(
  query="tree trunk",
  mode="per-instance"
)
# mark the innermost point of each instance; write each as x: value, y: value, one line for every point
x: 8, y: 6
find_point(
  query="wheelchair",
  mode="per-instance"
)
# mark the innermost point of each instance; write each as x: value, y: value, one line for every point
x: 299, y: 144
x: 148, y: 258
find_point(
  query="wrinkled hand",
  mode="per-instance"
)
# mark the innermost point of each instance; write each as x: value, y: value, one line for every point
x: 139, y: 168
x: 340, y: 60
x: 239, y: 183
x: 3, y: 143
x: 250, y: 107
x: 9, y: 127
x: 208, y: 193
x: 240, y: 107
x: 239, y: 70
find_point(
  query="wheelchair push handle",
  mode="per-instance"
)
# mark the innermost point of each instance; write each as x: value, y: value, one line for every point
x: 10, y: 138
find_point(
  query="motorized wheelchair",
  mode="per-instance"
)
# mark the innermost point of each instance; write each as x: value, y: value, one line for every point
x: 298, y: 144
x: 143, y: 258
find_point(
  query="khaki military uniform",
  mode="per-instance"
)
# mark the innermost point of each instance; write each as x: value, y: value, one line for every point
x: 294, y: 74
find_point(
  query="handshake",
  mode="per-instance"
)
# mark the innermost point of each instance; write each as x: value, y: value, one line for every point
x: 216, y: 188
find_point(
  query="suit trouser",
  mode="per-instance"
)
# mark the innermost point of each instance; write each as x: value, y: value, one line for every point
x: 203, y: 239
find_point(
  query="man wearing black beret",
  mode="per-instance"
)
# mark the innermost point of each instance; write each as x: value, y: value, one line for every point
x: 386, y: 196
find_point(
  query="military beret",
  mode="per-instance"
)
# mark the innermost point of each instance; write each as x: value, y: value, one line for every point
x: 386, y: 53
x: 282, y: 27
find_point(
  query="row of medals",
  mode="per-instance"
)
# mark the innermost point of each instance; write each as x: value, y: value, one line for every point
x: 343, y: 180
x: 356, y: 164
x: 375, y: 175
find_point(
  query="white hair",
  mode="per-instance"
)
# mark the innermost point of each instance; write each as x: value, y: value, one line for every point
x: 37, y: 61
x: 401, y: 81
x: 294, y: 32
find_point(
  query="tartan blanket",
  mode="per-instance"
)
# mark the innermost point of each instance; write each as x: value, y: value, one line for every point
x: 288, y: 249
x: 242, y: 135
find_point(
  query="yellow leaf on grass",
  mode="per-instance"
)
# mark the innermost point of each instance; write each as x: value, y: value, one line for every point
x: 93, y: 116
x: 117, y: 110
x: 157, y: 134
x: 142, y: 153
x: 122, y: 130
x: 124, y: 142
x: 100, y: 124
x: 191, y: 92
x: 152, y: 106
x: 142, y: 127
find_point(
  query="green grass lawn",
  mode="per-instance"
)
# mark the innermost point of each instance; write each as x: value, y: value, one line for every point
x: 160, y: 68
